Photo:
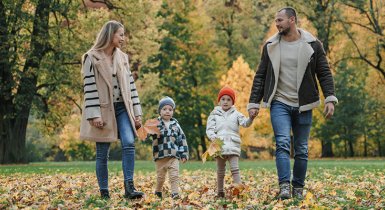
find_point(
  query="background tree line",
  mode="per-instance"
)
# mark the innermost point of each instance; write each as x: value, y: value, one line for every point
x: 199, y: 45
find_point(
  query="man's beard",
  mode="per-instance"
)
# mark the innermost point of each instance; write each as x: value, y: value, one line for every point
x: 284, y: 31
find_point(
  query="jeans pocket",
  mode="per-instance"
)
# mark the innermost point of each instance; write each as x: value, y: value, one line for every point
x: 305, y: 118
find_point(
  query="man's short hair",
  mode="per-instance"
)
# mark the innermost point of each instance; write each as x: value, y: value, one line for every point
x: 290, y: 12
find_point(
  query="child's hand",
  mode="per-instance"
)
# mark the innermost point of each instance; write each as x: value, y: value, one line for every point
x: 183, y: 160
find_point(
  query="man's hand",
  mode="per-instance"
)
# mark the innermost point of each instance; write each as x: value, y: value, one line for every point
x: 97, y: 122
x: 329, y: 110
x: 253, y: 113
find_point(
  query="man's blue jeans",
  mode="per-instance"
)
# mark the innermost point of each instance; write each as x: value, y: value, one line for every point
x: 285, y: 118
x: 127, y: 137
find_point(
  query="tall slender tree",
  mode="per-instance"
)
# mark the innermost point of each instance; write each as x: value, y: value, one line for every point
x: 186, y: 69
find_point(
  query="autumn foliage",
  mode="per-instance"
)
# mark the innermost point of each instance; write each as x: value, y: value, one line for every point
x: 326, y: 188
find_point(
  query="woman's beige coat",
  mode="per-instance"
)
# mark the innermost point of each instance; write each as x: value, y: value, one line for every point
x: 103, y: 80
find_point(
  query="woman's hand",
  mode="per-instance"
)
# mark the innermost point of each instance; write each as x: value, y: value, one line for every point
x: 138, y: 122
x: 96, y: 122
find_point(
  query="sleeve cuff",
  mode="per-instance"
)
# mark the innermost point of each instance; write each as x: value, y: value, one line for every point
x: 252, y: 106
x: 92, y: 112
x: 331, y: 99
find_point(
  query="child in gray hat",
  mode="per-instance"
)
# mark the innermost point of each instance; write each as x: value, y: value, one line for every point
x: 168, y: 148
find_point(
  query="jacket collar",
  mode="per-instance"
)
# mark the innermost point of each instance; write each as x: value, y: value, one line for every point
x: 304, y: 54
x: 305, y: 36
x: 220, y: 111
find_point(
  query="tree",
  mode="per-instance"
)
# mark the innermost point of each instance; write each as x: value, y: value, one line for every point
x: 240, y: 78
x: 240, y: 28
x: 20, y: 60
x: 349, y: 122
x: 368, y: 16
x: 185, y: 69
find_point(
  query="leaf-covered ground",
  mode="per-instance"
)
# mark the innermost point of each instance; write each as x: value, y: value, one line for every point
x: 326, y: 187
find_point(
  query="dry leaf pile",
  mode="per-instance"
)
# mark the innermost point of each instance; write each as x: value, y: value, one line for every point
x: 325, y: 188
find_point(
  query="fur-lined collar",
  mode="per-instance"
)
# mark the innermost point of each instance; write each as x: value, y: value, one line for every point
x: 305, y: 36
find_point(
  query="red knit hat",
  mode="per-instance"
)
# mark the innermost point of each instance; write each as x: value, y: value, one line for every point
x: 226, y: 90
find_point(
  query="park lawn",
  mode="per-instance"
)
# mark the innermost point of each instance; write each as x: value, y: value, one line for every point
x: 349, y: 184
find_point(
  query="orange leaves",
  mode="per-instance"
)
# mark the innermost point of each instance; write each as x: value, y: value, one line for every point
x: 213, y: 150
x: 150, y: 127
x: 325, y: 189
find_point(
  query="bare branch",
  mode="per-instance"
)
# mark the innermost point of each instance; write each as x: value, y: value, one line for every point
x: 108, y: 3
x: 74, y: 101
x: 359, y: 24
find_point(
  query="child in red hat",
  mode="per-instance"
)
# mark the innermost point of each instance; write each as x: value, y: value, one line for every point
x: 223, y: 123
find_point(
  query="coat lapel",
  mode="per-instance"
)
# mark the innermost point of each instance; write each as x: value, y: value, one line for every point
x: 103, y: 69
x: 275, y: 57
x: 305, y: 52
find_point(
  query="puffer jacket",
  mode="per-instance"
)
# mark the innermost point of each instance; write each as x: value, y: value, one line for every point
x: 225, y: 126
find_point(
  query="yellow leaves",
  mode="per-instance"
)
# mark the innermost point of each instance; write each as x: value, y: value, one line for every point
x: 258, y: 190
x: 150, y: 127
x: 214, y: 149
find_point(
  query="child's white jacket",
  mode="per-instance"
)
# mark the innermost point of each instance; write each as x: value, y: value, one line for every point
x: 225, y: 126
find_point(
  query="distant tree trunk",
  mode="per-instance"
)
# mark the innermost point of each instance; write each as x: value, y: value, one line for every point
x: 202, y: 136
x: 351, y: 149
x: 327, y: 150
x: 365, y: 144
x: 14, y: 113
x: 345, y: 148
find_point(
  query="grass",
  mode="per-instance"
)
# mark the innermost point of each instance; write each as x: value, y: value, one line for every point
x: 148, y: 166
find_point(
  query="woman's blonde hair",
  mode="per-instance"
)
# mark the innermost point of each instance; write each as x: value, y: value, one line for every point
x: 105, y: 38
x: 106, y: 35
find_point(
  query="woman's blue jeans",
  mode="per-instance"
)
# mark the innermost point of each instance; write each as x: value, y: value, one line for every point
x: 127, y: 137
x: 284, y: 119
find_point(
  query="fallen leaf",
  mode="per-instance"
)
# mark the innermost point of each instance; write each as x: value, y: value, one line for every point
x: 149, y: 127
x: 213, y: 150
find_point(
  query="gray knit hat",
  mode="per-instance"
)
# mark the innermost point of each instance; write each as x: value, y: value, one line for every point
x: 166, y: 101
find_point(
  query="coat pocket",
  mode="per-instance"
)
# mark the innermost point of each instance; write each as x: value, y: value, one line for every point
x: 105, y: 111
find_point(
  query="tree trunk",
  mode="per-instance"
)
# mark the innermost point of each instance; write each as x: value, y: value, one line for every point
x: 327, y: 150
x: 351, y: 149
x: 365, y: 144
x: 345, y: 148
x: 14, y: 113
x: 323, y: 23
x: 202, y: 136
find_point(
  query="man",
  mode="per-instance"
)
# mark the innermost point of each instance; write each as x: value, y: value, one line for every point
x: 285, y: 81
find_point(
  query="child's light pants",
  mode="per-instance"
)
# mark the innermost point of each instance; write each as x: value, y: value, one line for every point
x: 221, y: 170
x: 171, y: 165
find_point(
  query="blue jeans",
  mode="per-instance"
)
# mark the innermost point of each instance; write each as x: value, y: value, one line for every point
x: 127, y: 137
x: 285, y: 118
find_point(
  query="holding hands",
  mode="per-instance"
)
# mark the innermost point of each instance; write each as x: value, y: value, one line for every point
x: 253, y: 113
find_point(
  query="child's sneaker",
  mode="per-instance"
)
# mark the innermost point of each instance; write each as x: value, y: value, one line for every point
x: 284, y: 192
x: 298, y: 193
x: 159, y: 194
x: 175, y: 196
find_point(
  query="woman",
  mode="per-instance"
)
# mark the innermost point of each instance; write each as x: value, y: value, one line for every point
x: 111, y: 108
